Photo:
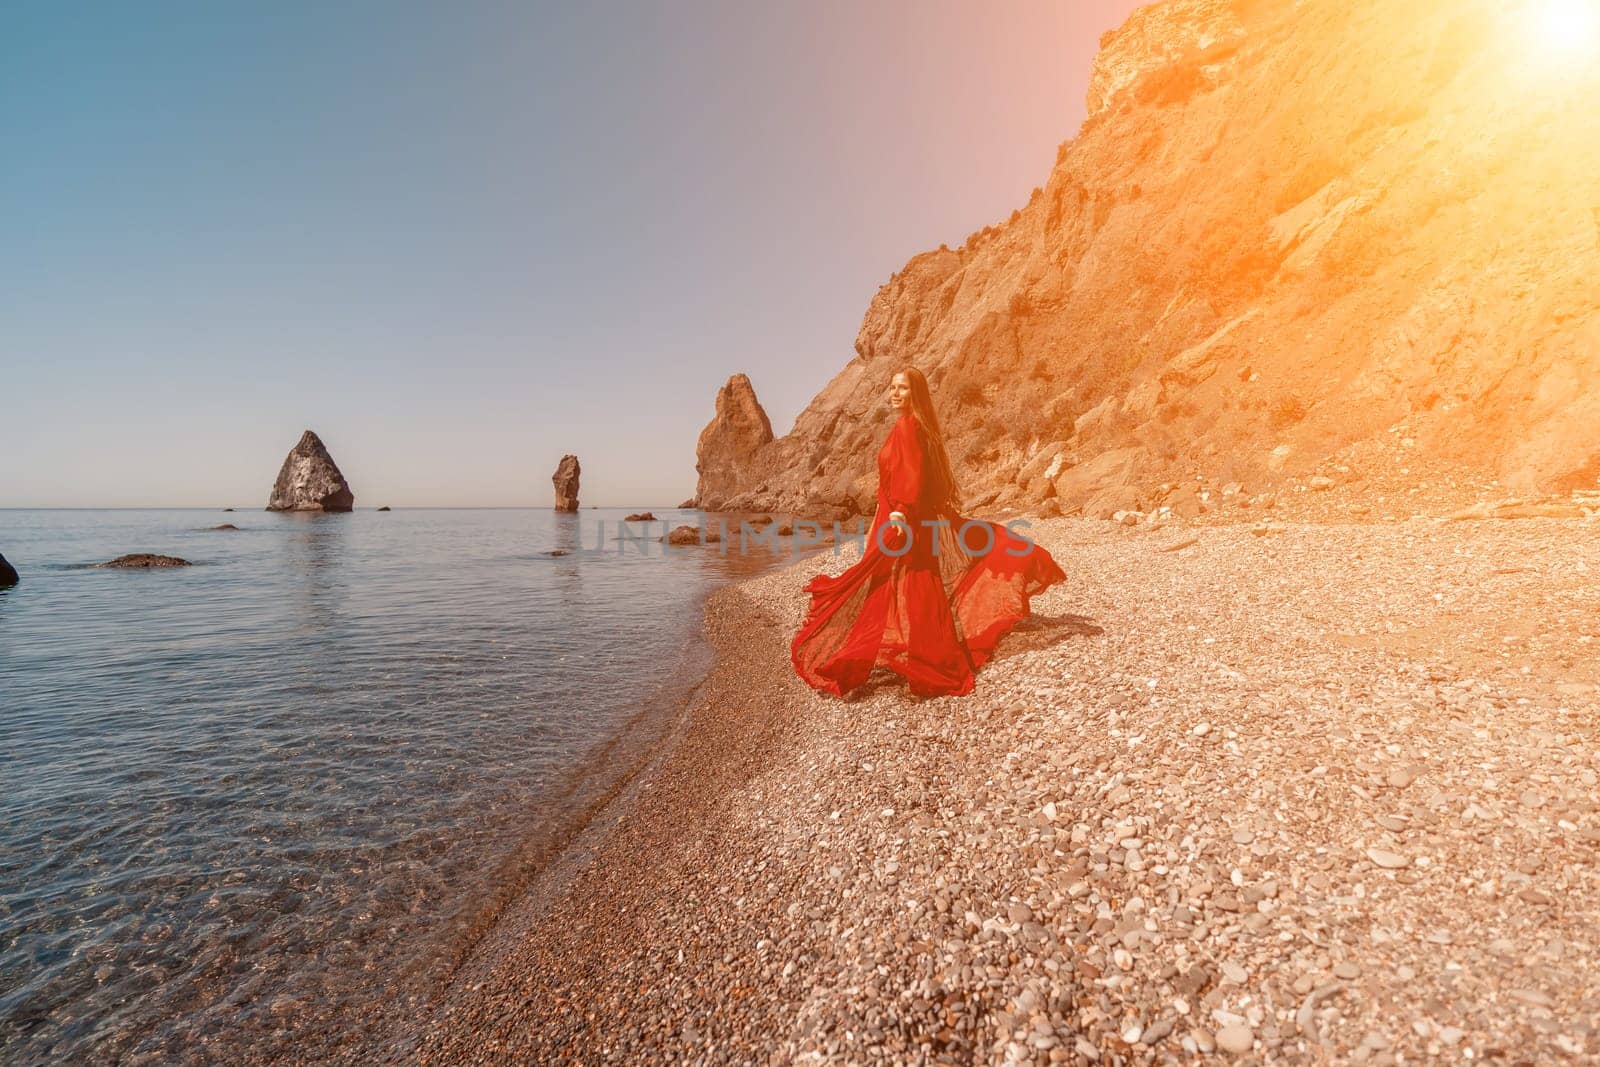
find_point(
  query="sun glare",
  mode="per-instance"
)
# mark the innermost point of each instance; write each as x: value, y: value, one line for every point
x: 1567, y: 28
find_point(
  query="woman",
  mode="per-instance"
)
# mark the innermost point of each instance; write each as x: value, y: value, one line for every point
x: 933, y: 592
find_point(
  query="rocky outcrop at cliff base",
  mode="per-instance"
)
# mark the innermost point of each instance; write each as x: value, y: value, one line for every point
x: 726, y: 454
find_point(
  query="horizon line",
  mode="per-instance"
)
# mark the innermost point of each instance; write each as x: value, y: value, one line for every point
x: 392, y: 507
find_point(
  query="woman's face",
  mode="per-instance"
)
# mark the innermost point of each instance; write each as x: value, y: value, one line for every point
x: 900, y: 393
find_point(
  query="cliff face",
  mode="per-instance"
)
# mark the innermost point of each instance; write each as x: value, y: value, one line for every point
x: 1284, y: 231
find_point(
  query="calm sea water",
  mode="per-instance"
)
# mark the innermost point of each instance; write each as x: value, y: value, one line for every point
x: 270, y: 797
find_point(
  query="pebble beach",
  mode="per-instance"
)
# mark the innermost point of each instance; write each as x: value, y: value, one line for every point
x: 1307, y: 791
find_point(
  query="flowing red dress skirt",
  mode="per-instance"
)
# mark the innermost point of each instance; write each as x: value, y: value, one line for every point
x: 934, y: 612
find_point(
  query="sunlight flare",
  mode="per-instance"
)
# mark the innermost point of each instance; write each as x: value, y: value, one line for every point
x: 1567, y: 29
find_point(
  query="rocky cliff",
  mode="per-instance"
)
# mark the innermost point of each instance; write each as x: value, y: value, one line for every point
x: 1288, y: 237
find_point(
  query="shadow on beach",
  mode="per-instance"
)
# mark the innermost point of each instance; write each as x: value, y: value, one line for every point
x: 1044, y: 631
x: 1031, y: 634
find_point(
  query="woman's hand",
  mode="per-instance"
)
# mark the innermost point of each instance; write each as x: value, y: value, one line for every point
x: 894, y: 538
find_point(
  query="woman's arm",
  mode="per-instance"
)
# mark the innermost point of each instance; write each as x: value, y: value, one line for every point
x: 906, y: 461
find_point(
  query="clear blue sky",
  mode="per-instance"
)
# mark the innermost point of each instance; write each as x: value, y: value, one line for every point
x: 459, y: 240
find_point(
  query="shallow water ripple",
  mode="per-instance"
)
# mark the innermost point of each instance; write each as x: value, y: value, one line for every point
x: 245, y: 797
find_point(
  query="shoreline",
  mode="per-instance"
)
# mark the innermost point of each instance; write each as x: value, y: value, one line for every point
x: 593, y: 847
x: 1077, y: 863
x: 582, y: 795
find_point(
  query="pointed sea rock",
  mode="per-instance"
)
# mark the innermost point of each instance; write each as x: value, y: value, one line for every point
x: 565, y: 480
x: 310, y: 480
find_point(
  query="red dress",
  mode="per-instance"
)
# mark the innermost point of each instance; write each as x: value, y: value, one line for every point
x: 933, y: 613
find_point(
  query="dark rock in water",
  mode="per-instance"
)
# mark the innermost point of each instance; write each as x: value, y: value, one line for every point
x: 8, y: 574
x: 227, y: 509
x: 224, y: 526
x: 643, y: 516
x: 691, y: 535
x: 145, y: 559
x: 558, y: 551
x: 310, y: 480
x: 386, y: 507
x: 565, y: 480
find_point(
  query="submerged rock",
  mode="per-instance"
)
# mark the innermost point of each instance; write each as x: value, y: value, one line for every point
x: 145, y: 559
x: 642, y: 516
x: 691, y: 535
x: 565, y: 480
x: 224, y: 526
x: 8, y: 574
x: 386, y: 507
x: 310, y: 480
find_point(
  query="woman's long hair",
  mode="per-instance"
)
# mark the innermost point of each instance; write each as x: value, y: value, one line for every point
x: 928, y: 419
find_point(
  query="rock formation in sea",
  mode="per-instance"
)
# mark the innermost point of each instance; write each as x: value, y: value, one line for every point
x: 726, y: 454
x: 8, y: 574
x: 386, y: 507
x: 691, y: 535
x: 640, y: 516
x: 1288, y: 238
x: 310, y: 480
x: 566, y: 483
x: 144, y: 559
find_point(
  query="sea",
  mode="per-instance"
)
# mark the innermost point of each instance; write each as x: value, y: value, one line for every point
x: 258, y: 807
